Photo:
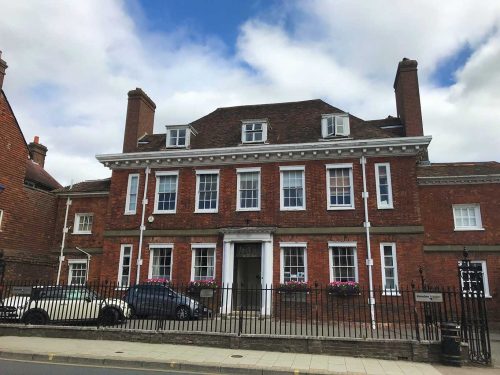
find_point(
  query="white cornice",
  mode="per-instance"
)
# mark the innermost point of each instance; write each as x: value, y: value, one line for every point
x: 336, y: 149
x: 82, y: 194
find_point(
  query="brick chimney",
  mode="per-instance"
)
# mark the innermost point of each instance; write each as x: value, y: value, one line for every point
x: 3, y: 66
x: 38, y: 151
x: 408, y: 97
x: 140, y: 118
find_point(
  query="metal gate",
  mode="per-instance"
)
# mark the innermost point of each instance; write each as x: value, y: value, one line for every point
x: 474, y: 322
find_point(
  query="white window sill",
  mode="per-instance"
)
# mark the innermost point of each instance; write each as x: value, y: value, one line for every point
x: 468, y: 229
x: 247, y: 209
x: 130, y: 213
x: 391, y: 294
x: 164, y: 212
x: 292, y: 209
x: 385, y: 207
x: 183, y: 146
x: 206, y: 211
x: 340, y: 208
x: 82, y: 233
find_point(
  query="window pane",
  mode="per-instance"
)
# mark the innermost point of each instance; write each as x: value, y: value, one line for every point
x: 343, y: 263
x: 167, y: 193
x: 78, y: 273
x: 125, y: 266
x: 249, y: 190
x: 340, y: 187
x: 207, y: 192
x: 161, y: 264
x: 204, y: 264
x: 293, y: 191
x: 294, y: 264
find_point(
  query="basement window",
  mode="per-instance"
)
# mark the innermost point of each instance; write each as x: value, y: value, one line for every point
x: 335, y: 125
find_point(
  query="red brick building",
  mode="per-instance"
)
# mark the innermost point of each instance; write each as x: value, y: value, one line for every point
x: 27, y: 206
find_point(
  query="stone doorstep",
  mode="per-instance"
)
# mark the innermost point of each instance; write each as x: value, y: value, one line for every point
x: 154, y: 364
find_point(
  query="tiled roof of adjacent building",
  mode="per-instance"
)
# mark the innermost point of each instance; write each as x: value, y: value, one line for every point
x: 288, y: 123
x: 460, y: 169
x: 39, y: 177
x: 90, y: 186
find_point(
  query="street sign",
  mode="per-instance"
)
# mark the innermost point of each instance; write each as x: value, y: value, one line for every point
x: 428, y: 297
x: 206, y: 293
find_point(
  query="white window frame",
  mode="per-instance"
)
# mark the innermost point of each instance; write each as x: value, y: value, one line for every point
x: 343, y: 244
x: 157, y: 194
x: 198, y: 173
x: 486, y: 284
x: 335, y: 116
x: 177, y: 128
x: 1, y: 219
x: 250, y: 122
x: 330, y: 167
x: 291, y: 168
x: 283, y: 245
x: 152, y: 248
x: 194, y: 247
x: 389, y: 292
x: 120, y: 265
x: 477, y: 210
x: 71, y: 262
x: 239, y: 171
x: 128, y: 211
x: 380, y: 204
x: 76, y: 223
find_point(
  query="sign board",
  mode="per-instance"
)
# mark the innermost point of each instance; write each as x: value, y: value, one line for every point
x: 21, y: 290
x: 428, y: 297
x: 206, y: 293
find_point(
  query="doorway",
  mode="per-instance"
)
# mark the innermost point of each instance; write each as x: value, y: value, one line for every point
x: 247, y: 275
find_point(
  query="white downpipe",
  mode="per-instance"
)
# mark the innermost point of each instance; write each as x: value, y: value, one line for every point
x: 88, y: 262
x: 369, y: 260
x: 143, y: 227
x: 65, y: 230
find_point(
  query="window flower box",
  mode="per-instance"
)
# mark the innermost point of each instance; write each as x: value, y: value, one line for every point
x: 162, y: 281
x: 293, y: 291
x: 202, y: 288
x: 343, y: 288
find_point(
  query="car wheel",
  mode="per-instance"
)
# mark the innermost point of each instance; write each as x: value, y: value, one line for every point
x: 109, y: 317
x: 182, y: 313
x: 133, y: 313
x: 35, y: 318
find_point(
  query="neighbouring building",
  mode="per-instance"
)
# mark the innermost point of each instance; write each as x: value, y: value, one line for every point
x: 27, y: 206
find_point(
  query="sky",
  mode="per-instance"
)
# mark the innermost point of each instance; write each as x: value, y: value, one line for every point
x: 71, y: 64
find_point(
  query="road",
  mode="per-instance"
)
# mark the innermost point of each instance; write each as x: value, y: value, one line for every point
x: 15, y: 367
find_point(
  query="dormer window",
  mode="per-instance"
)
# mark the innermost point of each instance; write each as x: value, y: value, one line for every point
x: 178, y: 136
x: 335, y: 125
x: 254, y: 131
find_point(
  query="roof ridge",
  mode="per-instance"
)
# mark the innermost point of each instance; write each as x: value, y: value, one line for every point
x: 271, y: 104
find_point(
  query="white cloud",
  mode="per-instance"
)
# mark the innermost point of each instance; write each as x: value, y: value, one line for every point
x: 71, y: 65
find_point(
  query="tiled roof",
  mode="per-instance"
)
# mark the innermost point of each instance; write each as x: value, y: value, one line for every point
x: 292, y: 122
x: 459, y: 169
x: 91, y: 186
x: 391, y: 124
x: 40, y: 177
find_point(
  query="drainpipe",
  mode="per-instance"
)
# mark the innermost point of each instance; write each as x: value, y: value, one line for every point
x: 369, y: 260
x: 88, y: 262
x: 142, y: 227
x: 65, y: 230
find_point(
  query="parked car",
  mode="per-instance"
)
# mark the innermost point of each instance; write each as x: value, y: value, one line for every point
x: 65, y: 304
x: 157, y: 300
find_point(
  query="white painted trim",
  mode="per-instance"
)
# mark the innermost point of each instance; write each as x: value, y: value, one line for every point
x: 289, y: 168
x: 330, y: 167
x: 170, y: 128
x: 127, y: 199
x: 76, y: 222
x: 239, y: 171
x: 264, y: 131
x: 197, y: 198
x: 157, y: 184
x: 283, y: 245
x: 486, y: 283
x: 477, y: 210
x: 152, y: 247
x: 380, y: 205
x: 120, y: 264
x: 1, y: 219
x: 395, y: 265
x: 353, y: 245
x: 196, y: 246
x: 77, y: 261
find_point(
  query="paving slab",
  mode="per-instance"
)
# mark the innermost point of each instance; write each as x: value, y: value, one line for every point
x: 206, y: 359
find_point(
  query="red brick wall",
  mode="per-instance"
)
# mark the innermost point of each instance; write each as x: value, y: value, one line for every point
x: 406, y: 211
x: 437, y: 217
x: 29, y: 214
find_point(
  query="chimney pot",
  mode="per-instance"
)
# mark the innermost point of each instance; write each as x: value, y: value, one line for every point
x: 37, y: 139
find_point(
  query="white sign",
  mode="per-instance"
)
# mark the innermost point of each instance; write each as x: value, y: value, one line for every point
x: 428, y: 297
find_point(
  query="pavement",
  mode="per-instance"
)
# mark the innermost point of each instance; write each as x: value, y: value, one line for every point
x: 209, y: 360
